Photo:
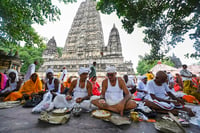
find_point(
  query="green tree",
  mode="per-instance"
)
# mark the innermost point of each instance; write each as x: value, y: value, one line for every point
x: 165, y: 21
x: 18, y: 16
x: 145, y: 65
x: 59, y: 49
x: 27, y: 55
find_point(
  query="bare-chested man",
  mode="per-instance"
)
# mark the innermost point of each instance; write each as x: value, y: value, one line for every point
x: 112, y: 94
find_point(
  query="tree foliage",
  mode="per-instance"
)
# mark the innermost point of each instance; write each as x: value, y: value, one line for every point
x: 165, y: 21
x: 145, y: 65
x: 27, y: 55
x: 17, y: 17
x: 59, y: 49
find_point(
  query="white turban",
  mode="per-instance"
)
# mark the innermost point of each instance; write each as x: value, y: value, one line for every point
x: 16, y: 73
x: 111, y: 69
x: 49, y: 70
x: 143, y: 77
x: 83, y: 70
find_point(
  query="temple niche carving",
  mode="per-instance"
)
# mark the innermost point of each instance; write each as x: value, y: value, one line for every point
x: 85, y: 44
x: 176, y: 61
x: 51, y: 51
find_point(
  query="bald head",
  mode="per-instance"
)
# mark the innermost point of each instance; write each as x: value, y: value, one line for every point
x: 161, y: 77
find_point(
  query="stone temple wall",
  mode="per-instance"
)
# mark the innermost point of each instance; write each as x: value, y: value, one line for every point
x: 85, y: 44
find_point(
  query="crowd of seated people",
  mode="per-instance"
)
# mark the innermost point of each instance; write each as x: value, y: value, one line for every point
x: 115, y: 94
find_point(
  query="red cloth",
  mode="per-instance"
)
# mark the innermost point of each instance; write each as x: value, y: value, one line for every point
x: 95, y: 86
x: 190, y: 99
x: 176, y: 87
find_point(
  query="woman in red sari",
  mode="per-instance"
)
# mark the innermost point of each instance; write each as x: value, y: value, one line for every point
x: 178, y: 86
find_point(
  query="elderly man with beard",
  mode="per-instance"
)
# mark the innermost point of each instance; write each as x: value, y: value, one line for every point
x: 112, y: 97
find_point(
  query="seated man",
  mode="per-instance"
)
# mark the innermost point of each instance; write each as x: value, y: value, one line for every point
x: 81, y: 88
x: 159, y: 101
x: 141, y: 88
x: 31, y: 86
x: 129, y: 84
x: 52, y: 84
x: 12, y: 84
x: 112, y: 94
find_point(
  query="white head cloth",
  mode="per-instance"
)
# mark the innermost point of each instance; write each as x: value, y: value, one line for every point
x: 83, y: 70
x: 16, y: 73
x: 111, y: 69
x: 49, y: 70
x: 143, y: 77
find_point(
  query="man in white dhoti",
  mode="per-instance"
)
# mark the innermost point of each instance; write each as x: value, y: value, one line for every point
x: 30, y: 71
x: 160, y: 95
x: 81, y: 88
x: 112, y: 94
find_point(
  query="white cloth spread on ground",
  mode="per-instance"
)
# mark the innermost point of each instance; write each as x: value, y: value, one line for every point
x: 30, y: 71
x: 196, y: 119
x: 114, y: 94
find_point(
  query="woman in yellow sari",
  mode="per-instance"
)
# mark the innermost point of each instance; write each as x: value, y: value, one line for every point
x: 33, y: 85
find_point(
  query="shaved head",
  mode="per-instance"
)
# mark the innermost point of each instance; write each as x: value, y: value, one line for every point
x: 161, y: 77
x: 161, y: 74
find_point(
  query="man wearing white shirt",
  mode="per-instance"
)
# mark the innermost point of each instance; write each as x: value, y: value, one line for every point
x: 159, y: 96
x: 141, y: 88
x: 187, y: 79
x: 129, y: 84
x: 30, y: 71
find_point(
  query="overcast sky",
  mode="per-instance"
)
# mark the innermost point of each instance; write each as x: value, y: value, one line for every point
x: 132, y: 44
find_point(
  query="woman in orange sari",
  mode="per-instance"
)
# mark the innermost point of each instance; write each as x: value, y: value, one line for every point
x: 67, y: 84
x: 33, y: 85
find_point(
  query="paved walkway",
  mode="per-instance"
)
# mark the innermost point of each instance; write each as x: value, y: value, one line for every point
x: 21, y: 120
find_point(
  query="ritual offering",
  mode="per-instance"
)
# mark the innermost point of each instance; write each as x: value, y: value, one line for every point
x: 134, y: 116
x: 60, y: 111
x: 53, y: 119
x: 101, y: 114
x: 119, y: 120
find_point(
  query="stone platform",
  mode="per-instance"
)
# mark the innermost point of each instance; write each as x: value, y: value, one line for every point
x: 21, y: 120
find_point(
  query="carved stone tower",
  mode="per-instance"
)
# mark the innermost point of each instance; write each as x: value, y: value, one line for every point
x: 85, y: 44
x: 85, y: 38
x: 51, y: 51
